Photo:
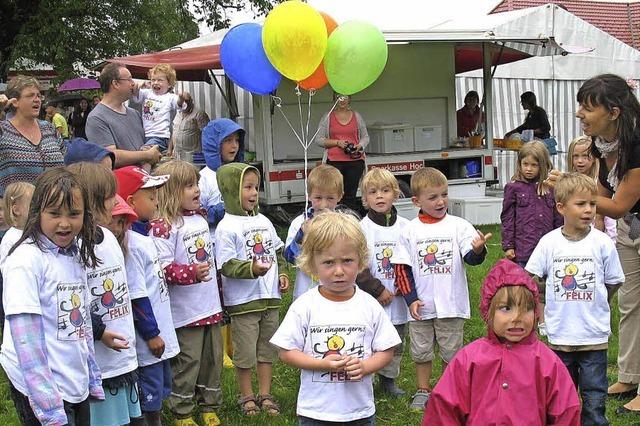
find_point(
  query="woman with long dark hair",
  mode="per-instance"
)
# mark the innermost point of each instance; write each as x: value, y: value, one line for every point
x: 609, y: 113
x: 79, y: 118
x: 535, y: 120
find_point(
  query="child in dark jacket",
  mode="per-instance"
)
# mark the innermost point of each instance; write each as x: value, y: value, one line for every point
x: 528, y: 210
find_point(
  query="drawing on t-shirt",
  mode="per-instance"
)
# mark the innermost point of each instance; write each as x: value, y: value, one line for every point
x: 573, y: 278
x: 384, y: 251
x: 71, y: 311
x: 341, y: 340
x: 148, y: 110
x: 435, y: 256
x: 258, y: 244
x: 197, y: 244
x: 199, y: 250
x: 162, y: 283
x: 110, y: 293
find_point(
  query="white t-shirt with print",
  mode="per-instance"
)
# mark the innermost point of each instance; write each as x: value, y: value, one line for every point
x: 209, y: 194
x: 576, y: 310
x: 156, y: 112
x: 11, y: 237
x: 188, y: 244
x: 435, y: 253
x: 111, y: 301
x: 146, y: 279
x: 319, y: 327
x: 303, y: 281
x: 382, y: 242
x: 244, y: 238
x: 53, y: 286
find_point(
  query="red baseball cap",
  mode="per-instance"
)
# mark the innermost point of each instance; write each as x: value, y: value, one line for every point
x: 132, y: 178
x: 122, y: 208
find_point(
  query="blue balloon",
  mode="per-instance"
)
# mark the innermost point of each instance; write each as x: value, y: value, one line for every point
x: 244, y: 61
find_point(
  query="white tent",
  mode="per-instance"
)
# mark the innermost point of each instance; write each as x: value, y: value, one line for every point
x: 554, y: 79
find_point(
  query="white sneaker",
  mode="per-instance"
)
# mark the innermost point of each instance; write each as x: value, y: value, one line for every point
x: 542, y: 329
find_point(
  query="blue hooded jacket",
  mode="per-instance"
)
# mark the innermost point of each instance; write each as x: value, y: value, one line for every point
x: 212, y: 136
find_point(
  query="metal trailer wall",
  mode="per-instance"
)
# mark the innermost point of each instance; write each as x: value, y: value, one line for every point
x: 557, y: 97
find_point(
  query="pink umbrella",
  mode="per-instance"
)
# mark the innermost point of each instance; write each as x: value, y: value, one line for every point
x: 79, y: 84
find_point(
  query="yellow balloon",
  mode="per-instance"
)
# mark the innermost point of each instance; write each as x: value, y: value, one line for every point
x: 294, y: 37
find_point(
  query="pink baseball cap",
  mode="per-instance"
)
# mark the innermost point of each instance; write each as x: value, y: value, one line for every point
x: 132, y: 178
x: 122, y: 208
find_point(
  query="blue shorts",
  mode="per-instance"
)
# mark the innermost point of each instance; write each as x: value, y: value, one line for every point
x: 116, y: 409
x: 154, y: 382
x: 163, y: 143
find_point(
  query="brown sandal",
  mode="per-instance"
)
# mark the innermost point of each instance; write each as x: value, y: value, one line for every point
x: 268, y: 404
x: 247, y: 409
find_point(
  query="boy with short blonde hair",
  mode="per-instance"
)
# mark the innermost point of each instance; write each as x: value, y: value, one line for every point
x: 382, y: 228
x: 578, y: 272
x: 158, y: 103
x: 325, y: 188
x: 429, y: 268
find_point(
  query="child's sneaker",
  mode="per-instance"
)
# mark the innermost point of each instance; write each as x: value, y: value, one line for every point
x: 542, y: 329
x: 389, y: 386
x: 419, y: 400
x: 210, y: 419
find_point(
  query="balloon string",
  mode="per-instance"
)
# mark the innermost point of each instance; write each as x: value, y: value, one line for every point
x: 311, y: 93
x: 304, y: 149
x: 278, y: 103
x: 328, y: 114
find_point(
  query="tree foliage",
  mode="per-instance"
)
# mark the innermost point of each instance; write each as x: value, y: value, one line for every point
x: 72, y: 34
x: 215, y: 12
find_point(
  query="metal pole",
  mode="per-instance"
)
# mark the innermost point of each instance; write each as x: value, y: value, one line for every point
x: 487, y: 81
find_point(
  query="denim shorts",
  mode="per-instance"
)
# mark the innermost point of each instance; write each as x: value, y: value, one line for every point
x: 163, y: 143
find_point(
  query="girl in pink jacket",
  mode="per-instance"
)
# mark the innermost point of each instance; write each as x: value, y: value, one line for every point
x: 508, y: 377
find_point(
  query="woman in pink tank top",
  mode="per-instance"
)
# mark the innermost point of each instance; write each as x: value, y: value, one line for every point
x: 343, y: 134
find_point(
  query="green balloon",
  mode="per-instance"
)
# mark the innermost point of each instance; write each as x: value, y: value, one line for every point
x: 355, y: 57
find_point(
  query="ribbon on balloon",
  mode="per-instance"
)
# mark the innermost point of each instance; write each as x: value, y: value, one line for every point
x: 308, y: 47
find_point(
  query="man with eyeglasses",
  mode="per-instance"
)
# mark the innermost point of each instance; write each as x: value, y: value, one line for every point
x: 115, y: 126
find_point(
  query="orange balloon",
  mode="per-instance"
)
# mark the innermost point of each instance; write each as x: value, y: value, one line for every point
x: 318, y: 79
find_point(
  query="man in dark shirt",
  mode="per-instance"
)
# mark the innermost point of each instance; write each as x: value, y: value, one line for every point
x: 535, y: 120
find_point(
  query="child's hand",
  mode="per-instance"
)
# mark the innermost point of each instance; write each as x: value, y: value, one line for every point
x: 334, y: 363
x: 510, y: 254
x: 259, y: 267
x: 284, y: 283
x: 414, y: 310
x: 354, y: 368
x: 156, y: 346
x: 202, y: 271
x: 385, y: 297
x: 478, y: 242
x: 113, y: 340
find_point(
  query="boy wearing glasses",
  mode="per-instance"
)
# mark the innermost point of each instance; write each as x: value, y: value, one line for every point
x: 158, y: 104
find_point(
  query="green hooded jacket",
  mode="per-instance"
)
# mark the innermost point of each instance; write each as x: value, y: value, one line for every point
x: 229, y: 177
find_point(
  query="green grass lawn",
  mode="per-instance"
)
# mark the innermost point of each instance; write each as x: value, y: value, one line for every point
x: 389, y: 411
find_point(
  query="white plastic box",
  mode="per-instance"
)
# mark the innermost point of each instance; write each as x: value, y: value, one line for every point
x: 427, y: 138
x: 390, y: 138
x: 477, y: 210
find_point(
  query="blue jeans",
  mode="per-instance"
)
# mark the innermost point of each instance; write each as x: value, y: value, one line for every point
x: 588, y: 369
x: 306, y: 421
x: 163, y: 143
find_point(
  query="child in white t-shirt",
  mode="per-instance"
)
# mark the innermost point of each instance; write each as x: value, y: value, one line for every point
x: 156, y: 341
x: 247, y: 246
x: 430, y: 273
x: 47, y: 348
x: 325, y: 188
x: 382, y: 228
x: 15, y: 204
x: 158, y: 105
x: 579, y: 271
x: 336, y: 334
x: 110, y: 305
x: 181, y: 235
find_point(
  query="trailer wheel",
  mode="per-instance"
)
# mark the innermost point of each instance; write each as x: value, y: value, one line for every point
x: 405, y: 189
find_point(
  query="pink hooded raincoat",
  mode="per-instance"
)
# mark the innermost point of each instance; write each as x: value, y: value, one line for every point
x: 490, y: 382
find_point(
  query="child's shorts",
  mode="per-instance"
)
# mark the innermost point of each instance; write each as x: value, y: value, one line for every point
x: 163, y: 143
x: 448, y: 332
x: 306, y: 421
x: 154, y: 382
x: 250, y: 335
x: 118, y: 407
